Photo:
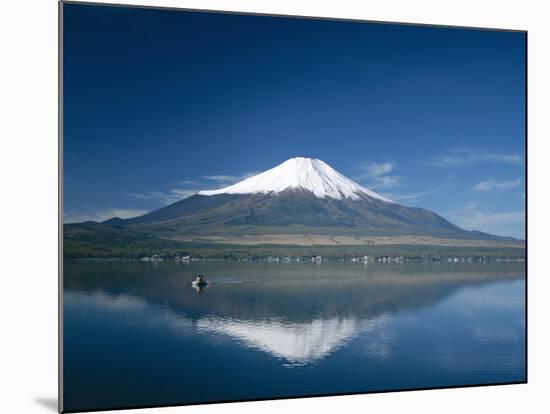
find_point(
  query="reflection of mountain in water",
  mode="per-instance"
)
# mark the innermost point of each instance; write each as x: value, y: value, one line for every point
x: 298, y: 343
x: 289, y: 315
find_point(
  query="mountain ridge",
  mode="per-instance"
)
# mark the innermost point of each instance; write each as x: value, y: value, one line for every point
x: 300, y: 196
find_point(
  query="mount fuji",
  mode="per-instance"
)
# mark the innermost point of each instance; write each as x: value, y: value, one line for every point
x: 303, y: 201
x: 304, y: 174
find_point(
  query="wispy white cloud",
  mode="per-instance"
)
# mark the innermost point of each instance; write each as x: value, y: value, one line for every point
x: 386, y: 181
x: 164, y: 198
x: 186, y: 182
x: 479, y: 220
x: 409, y: 197
x: 229, y: 179
x: 457, y: 157
x: 494, y: 185
x: 376, y: 175
x: 180, y: 193
x: 187, y: 188
x: 150, y: 195
x: 413, y: 197
x: 376, y: 169
x: 504, y: 223
x: 99, y: 215
x: 221, y: 178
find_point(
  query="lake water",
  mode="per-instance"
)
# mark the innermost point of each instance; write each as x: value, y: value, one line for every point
x: 137, y: 334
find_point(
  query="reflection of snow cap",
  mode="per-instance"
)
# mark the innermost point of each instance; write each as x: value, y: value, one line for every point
x: 299, y: 343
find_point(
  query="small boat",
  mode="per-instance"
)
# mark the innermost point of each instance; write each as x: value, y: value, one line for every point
x: 199, y: 283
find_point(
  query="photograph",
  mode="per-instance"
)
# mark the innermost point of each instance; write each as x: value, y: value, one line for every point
x: 260, y: 207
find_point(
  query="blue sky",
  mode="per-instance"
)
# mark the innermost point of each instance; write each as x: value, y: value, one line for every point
x: 159, y: 104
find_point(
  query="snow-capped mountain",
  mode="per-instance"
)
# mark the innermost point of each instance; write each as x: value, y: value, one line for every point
x: 293, y: 203
x: 306, y: 174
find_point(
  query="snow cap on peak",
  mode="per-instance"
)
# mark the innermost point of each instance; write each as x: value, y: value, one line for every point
x: 308, y: 174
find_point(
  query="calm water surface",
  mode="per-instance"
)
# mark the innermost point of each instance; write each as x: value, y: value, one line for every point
x: 138, y: 334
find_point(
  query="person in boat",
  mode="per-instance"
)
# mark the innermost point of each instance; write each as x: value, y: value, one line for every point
x: 200, y: 280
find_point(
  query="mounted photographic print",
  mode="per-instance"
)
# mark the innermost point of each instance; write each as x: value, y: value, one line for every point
x: 260, y: 207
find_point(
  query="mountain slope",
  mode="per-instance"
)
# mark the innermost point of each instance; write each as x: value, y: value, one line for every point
x: 265, y: 213
x: 300, y: 196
